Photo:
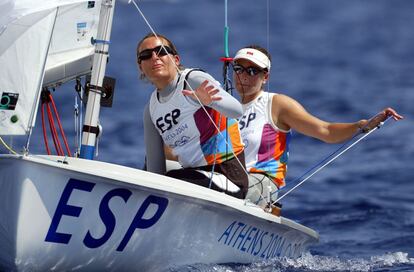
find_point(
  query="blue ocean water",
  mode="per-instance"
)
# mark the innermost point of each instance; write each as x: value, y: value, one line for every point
x: 344, y: 61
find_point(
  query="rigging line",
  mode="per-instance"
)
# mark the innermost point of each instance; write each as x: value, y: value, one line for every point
x: 7, y: 147
x: 52, y: 127
x: 176, y: 67
x: 62, y: 132
x: 242, y: 96
x: 333, y: 158
x: 361, y: 130
x: 76, y: 119
x: 44, y: 128
x: 226, y: 32
x: 269, y: 110
x: 268, y: 35
x: 269, y: 97
x: 225, y: 77
x: 78, y: 115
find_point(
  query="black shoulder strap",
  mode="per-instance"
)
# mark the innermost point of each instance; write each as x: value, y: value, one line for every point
x: 185, y: 86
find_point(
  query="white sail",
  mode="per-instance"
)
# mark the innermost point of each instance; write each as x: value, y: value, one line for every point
x: 23, y: 48
x: 71, y: 51
x: 26, y: 29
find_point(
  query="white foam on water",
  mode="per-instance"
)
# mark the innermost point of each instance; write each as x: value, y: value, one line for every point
x: 309, y: 262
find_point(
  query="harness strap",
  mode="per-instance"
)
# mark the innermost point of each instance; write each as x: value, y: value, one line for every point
x: 188, y: 74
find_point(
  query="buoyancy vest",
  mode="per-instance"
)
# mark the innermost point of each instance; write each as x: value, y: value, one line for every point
x: 188, y: 131
x: 266, y: 146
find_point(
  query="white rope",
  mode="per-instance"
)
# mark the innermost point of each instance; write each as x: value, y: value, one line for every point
x: 7, y: 147
x: 178, y: 70
x: 268, y: 35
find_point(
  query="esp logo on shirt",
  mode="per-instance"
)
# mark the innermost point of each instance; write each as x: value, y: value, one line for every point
x: 245, y: 120
x: 166, y: 122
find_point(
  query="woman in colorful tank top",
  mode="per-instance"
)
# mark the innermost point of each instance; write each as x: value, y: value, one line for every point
x: 193, y: 117
x: 267, y: 122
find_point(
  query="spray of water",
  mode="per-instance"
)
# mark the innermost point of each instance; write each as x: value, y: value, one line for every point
x: 396, y: 261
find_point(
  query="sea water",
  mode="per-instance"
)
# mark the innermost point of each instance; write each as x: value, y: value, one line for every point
x: 343, y: 61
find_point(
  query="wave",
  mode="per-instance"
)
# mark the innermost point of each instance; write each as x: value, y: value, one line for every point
x: 397, y: 261
x: 309, y: 262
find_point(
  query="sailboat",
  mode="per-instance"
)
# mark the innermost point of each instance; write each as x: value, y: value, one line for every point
x: 66, y: 213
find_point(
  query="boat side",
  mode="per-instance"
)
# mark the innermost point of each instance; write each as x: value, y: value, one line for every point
x: 67, y: 212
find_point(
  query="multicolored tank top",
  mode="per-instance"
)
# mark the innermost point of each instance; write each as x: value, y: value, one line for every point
x: 186, y: 128
x: 266, y: 146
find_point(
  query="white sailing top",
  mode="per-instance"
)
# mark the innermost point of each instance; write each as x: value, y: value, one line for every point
x: 266, y: 146
x: 185, y: 127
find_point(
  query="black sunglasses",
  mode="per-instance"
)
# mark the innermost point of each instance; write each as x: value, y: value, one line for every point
x: 159, y: 51
x: 251, y: 71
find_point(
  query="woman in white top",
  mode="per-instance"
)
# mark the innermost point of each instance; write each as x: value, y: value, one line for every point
x: 186, y: 121
x: 268, y: 119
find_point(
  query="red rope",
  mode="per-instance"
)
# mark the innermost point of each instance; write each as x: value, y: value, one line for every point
x: 55, y: 136
x: 44, y: 128
x: 52, y: 126
x: 60, y: 126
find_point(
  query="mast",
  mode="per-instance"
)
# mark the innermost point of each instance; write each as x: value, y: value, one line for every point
x: 90, y: 127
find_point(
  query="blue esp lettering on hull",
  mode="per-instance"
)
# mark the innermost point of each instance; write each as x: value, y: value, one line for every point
x: 105, y: 213
x: 254, y: 241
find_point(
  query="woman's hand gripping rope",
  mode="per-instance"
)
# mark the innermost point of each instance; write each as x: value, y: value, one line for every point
x: 365, y: 126
x: 376, y: 121
x: 204, y: 94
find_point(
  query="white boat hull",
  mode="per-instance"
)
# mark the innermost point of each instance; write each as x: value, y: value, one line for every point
x: 90, y: 215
